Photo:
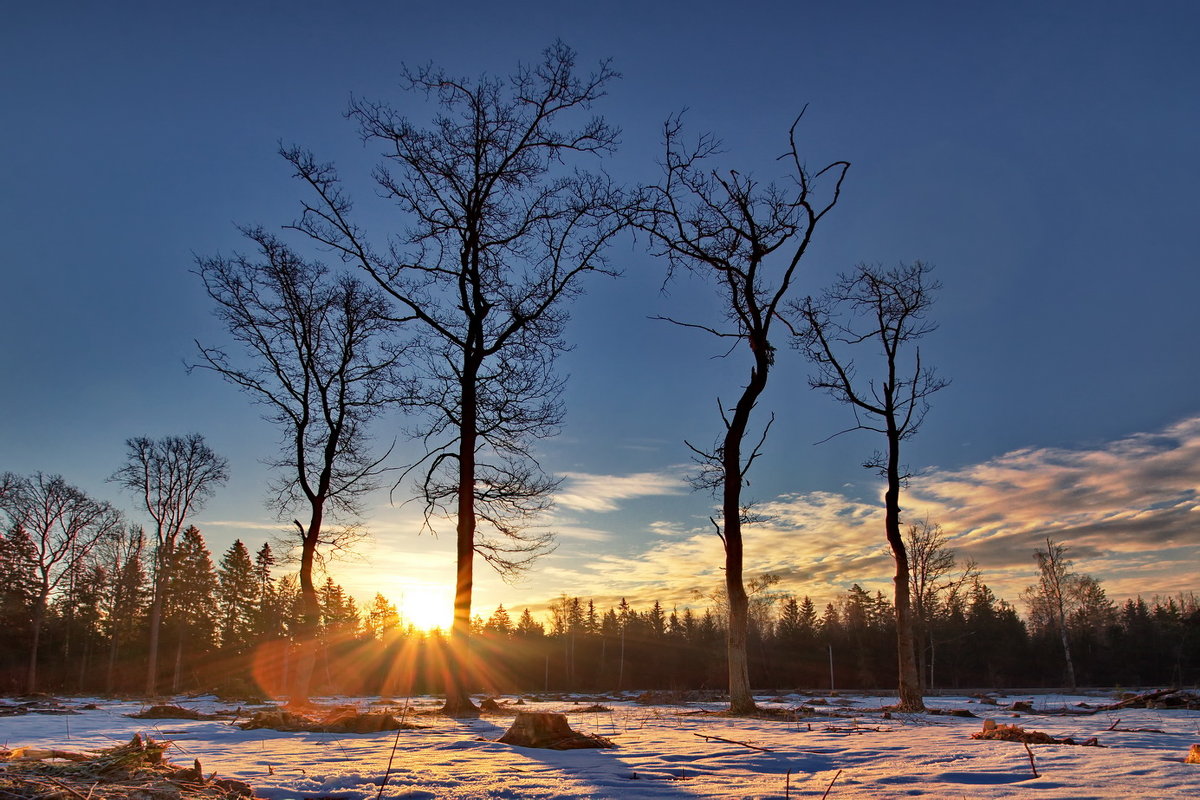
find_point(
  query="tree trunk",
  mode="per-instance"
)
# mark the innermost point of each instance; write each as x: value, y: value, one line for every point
x: 910, y: 679
x: 178, y: 671
x: 459, y: 668
x: 741, y: 701
x: 311, y: 610
x: 39, y: 617
x: 1062, y: 629
x: 155, y: 626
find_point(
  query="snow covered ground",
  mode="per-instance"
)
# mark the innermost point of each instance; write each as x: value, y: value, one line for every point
x: 662, y: 752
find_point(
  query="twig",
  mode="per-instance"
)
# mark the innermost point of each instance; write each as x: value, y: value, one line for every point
x: 706, y: 737
x: 1113, y: 727
x: 830, y: 786
x: 787, y: 784
x: 1032, y: 766
x: 395, y: 743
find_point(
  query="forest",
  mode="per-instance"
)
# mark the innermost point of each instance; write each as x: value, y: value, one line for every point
x: 231, y: 626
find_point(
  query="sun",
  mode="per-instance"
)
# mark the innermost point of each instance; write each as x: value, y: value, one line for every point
x: 425, y: 606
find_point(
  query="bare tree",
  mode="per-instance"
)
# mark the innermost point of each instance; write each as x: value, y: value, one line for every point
x: 320, y: 355
x: 747, y: 239
x: 888, y: 309
x: 63, y: 525
x: 499, y: 236
x: 931, y: 562
x: 1054, y: 597
x: 173, y: 477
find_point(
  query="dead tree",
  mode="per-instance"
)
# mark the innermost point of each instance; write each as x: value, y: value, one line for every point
x: 499, y: 234
x: 747, y: 239
x: 888, y: 309
x: 62, y: 525
x: 320, y: 355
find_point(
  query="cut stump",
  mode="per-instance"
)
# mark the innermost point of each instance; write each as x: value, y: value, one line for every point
x: 549, y: 731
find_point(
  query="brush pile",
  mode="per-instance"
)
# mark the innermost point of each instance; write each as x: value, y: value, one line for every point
x: 339, y: 720
x: 135, y: 769
x: 1015, y: 733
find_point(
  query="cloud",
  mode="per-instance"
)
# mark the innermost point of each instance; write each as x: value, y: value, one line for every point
x: 248, y: 525
x: 1126, y: 509
x: 585, y: 492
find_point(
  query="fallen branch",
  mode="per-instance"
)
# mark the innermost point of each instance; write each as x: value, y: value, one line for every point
x: 1135, y: 701
x: 707, y: 737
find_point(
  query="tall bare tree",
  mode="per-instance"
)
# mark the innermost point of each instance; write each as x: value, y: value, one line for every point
x: 319, y: 353
x: 173, y: 477
x: 931, y: 564
x: 500, y: 233
x: 747, y: 238
x: 887, y: 309
x: 63, y: 526
x: 1055, y: 597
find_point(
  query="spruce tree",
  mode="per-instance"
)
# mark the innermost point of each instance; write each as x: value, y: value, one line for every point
x: 239, y: 598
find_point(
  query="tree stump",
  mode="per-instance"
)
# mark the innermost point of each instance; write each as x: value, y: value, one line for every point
x: 549, y: 731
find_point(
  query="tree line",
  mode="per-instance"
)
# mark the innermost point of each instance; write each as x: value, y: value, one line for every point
x: 234, y: 626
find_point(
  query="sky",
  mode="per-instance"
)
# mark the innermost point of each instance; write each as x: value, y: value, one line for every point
x: 1041, y: 156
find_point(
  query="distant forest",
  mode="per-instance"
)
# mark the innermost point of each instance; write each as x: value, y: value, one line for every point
x: 231, y: 626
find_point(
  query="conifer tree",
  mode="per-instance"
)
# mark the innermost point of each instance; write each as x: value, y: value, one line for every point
x: 191, y: 605
x: 239, y: 598
x: 381, y: 618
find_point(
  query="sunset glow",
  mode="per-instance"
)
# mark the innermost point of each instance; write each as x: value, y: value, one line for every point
x: 425, y: 606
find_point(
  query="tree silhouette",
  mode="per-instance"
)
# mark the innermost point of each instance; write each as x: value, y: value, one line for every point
x: 747, y: 239
x: 59, y: 525
x: 886, y: 308
x: 321, y: 358
x: 173, y: 477
x: 499, y: 236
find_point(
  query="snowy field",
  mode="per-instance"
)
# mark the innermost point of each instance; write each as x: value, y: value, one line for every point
x: 662, y: 753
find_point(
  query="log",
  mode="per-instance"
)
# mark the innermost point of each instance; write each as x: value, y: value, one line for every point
x: 549, y: 731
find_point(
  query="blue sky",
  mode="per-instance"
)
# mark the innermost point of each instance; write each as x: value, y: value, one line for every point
x: 1042, y: 155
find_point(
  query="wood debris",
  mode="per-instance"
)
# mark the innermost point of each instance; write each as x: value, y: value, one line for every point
x: 133, y: 769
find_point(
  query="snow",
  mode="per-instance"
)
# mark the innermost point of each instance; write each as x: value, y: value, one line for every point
x: 661, y: 751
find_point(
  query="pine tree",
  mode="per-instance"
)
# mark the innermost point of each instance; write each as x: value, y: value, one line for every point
x: 239, y: 599
x: 498, y: 623
x: 191, y: 606
x: 381, y: 618
x: 269, y: 616
x: 528, y: 627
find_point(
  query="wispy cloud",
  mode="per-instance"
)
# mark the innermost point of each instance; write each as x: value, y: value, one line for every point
x: 1129, y: 511
x: 585, y: 492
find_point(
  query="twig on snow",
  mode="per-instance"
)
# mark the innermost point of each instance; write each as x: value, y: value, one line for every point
x: 830, y: 786
x: 707, y: 737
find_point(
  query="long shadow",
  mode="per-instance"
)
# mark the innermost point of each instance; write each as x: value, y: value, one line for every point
x: 621, y: 776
